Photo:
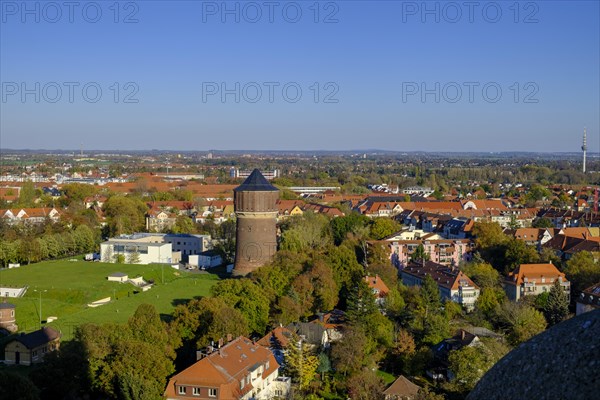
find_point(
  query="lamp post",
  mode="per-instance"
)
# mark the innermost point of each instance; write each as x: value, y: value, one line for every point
x: 40, y: 292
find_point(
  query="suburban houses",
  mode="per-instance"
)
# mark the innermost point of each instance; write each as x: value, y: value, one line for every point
x: 239, y: 369
x: 453, y: 284
x: 533, y: 279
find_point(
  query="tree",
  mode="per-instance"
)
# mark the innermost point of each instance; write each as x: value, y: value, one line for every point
x: 183, y: 224
x: 324, y: 364
x: 17, y: 386
x: 483, y: 274
x: 341, y: 226
x: 361, y: 303
x: 125, y: 214
x: 542, y: 222
x: 517, y: 253
x: 301, y: 364
x: 469, y: 364
x: 108, y: 255
x: 325, y: 289
x: 305, y: 233
x: 426, y: 394
x: 365, y: 385
x: 133, y: 257
x: 583, y: 271
x: 489, y: 299
x: 419, y: 254
x: 247, y: 297
x: 348, y: 354
x: 128, y: 361
x: 27, y: 194
x: 557, y: 305
x: 521, y: 321
x: 430, y: 296
x: 383, y: 227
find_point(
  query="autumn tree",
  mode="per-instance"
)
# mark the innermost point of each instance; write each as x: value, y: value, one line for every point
x: 301, y: 364
x: 348, y: 354
x: 365, y: 385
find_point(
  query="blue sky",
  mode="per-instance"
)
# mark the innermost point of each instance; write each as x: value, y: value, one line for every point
x: 390, y: 75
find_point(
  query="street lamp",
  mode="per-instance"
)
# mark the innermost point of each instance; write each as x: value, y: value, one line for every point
x: 40, y: 292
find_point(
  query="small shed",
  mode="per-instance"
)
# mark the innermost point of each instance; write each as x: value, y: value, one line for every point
x: 31, y: 348
x: 118, y: 277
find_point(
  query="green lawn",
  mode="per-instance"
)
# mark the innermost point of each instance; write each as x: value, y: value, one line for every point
x: 67, y: 287
x: 387, y: 377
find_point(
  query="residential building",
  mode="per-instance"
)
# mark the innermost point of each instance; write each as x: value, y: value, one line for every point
x: 588, y: 300
x: 31, y: 348
x: 442, y: 350
x: 243, y: 174
x: 441, y: 251
x: 533, y: 279
x: 240, y: 370
x: 534, y: 236
x: 379, y: 288
x: 30, y: 215
x: 315, y: 334
x: 452, y: 283
x: 289, y: 208
x: 401, y: 389
x: 277, y: 341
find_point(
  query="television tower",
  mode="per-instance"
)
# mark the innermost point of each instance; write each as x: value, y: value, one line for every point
x: 584, y: 148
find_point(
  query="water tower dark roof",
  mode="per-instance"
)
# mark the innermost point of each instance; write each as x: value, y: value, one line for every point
x: 256, y: 182
x: 6, y: 305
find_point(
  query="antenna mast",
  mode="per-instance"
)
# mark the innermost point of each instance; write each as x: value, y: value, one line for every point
x: 584, y: 147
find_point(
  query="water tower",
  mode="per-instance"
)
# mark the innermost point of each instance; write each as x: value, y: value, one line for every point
x: 255, y: 203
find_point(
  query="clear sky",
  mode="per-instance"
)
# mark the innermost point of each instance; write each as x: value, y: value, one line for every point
x: 395, y: 75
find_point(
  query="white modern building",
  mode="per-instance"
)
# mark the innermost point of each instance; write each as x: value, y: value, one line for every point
x: 147, y: 248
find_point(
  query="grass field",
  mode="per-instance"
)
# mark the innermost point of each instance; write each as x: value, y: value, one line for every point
x: 67, y: 287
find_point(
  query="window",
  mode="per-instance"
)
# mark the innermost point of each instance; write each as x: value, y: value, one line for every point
x: 212, y: 392
x: 196, y: 391
x: 181, y: 390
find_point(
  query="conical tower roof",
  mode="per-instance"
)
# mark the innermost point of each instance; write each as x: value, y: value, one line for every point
x: 256, y: 182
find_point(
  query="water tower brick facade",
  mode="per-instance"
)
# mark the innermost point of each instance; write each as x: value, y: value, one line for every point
x: 255, y: 203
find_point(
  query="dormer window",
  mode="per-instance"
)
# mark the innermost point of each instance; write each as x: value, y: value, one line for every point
x: 181, y: 390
